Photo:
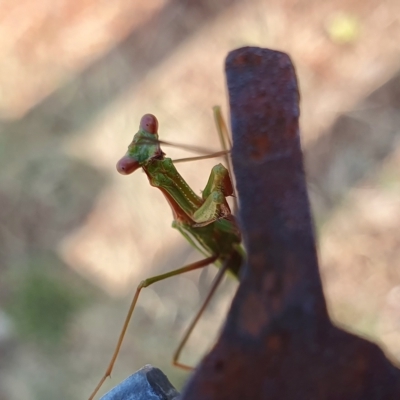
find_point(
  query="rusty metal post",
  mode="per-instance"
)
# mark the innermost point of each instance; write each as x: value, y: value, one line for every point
x: 278, y: 341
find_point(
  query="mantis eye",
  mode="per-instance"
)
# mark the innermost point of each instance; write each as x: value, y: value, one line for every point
x: 126, y: 165
x: 149, y: 123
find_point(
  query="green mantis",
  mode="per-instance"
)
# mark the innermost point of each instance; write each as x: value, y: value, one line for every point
x: 205, y: 221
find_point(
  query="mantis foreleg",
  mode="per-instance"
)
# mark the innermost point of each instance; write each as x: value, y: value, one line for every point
x: 215, y: 206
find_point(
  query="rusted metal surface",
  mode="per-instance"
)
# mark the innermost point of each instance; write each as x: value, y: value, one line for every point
x: 278, y: 342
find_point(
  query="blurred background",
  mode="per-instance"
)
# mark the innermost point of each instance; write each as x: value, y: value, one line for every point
x: 76, y: 237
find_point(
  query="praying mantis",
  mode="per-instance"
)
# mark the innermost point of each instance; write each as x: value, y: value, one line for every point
x: 205, y: 221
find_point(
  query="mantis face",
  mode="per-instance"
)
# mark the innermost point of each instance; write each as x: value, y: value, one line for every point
x: 144, y: 146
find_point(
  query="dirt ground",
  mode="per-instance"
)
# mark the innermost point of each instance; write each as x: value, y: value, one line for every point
x: 76, y: 238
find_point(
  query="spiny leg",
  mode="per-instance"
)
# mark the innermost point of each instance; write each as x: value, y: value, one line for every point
x: 192, y: 325
x: 143, y: 284
x: 226, y: 145
x: 224, y: 137
x: 222, y: 129
x: 215, y: 206
x: 205, y: 157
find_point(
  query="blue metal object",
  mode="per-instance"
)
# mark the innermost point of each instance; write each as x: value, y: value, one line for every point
x: 149, y: 383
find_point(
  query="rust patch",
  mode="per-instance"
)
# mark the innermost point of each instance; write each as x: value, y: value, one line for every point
x: 274, y: 343
x: 259, y: 148
x: 269, y: 282
x: 253, y: 316
x: 246, y: 60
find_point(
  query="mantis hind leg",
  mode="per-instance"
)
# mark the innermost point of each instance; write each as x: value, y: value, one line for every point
x: 189, y: 330
x: 143, y: 284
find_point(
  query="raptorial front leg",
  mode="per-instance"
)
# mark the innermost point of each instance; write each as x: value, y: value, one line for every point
x: 215, y: 206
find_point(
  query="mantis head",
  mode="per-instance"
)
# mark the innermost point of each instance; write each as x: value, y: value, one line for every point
x: 144, y: 146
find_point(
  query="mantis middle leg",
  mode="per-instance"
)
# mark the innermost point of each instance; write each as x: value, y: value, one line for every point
x: 143, y: 284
